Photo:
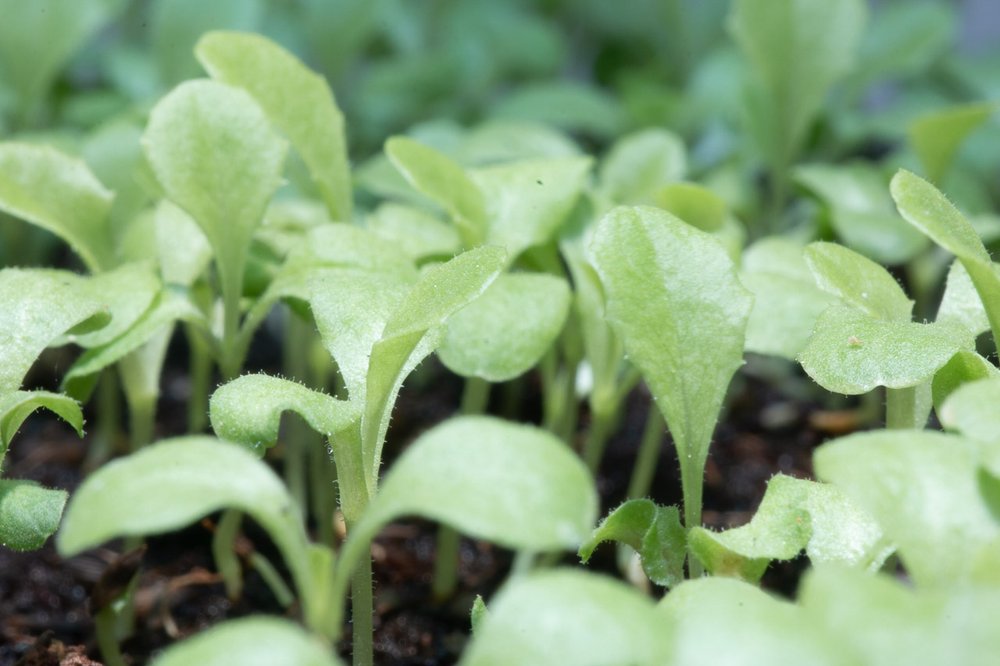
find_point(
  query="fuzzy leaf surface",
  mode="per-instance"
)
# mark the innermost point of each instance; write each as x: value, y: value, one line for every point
x: 505, y: 331
x: 971, y: 410
x: 29, y: 514
x: 16, y: 406
x: 965, y: 366
x: 858, y: 281
x: 961, y: 301
x: 297, y: 100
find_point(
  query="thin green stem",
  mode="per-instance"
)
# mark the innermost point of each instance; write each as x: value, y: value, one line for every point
x: 224, y: 552
x: 649, y: 453
x: 105, y: 626
x: 323, y: 484
x: 601, y: 423
x: 200, y: 378
x: 901, y: 408
x: 108, y: 419
x: 475, y: 396
x: 692, y: 480
x: 273, y: 579
x: 361, y: 613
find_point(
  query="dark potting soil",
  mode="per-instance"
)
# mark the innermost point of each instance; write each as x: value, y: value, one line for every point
x: 44, y: 600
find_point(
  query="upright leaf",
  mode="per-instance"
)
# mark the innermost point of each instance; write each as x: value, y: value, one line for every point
x: 937, y: 136
x: 296, y: 99
x: 858, y: 281
x: 673, y: 297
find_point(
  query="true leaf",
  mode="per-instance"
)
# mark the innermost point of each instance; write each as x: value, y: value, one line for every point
x: 420, y: 234
x: 16, y: 406
x: 971, y: 410
x: 296, y: 99
x: 567, y: 105
x: 505, y: 331
x: 936, y: 137
x: 182, y: 248
x: 858, y: 281
x: 29, y: 514
x: 695, y: 204
x: 965, y: 366
x: 961, y: 302
x: 640, y: 164
x: 250, y: 641
x: 559, y: 617
x: 60, y: 194
x: 128, y: 291
x: 921, y: 488
x: 673, y: 297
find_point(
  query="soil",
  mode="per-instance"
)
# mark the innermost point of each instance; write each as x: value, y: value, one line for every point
x: 45, y: 601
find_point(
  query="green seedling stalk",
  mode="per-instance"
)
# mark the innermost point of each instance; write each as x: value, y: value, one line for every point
x: 901, y: 408
x: 108, y: 418
x: 273, y: 579
x: 603, y: 417
x: 105, y: 626
x: 224, y: 552
x: 323, y: 482
x: 692, y: 481
x: 200, y: 374
x: 649, y: 453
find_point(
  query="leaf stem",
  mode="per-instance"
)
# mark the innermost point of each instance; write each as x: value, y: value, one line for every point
x: 901, y: 408
x: 224, y: 551
x: 649, y: 452
x: 200, y: 373
x: 361, y: 612
x: 105, y: 626
x: 692, y: 480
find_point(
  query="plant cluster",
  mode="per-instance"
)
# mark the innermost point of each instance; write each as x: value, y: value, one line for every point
x: 507, y: 251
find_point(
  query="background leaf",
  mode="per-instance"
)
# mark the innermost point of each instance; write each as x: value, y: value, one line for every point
x: 29, y: 514
x: 936, y: 137
x: 638, y: 165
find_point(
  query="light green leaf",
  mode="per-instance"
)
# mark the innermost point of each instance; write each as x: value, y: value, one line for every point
x: 655, y: 532
x: 795, y: 514
x: 673, y: 297
x: 568, y: 105
x: 40, y: 306
x: 786, y: 301
x: 173, y: 483
x: 937, y: 136
x: 965, y: 366
x: 557, y: 617
x: 29, y: 514
x: 505, y: 331
x: 852, y: 353
x: 527, y: 202
x: 758, y: 628
x: 16, y: 406
x: 961, y: 302
x: 128, y: 292
x: 638, y: 165
x: 695, y: 204
x: 60, y: 194
x: 858, y: 281
x: 183, y: 250
x: 420, y: 234
x: 478, y: 614
x: 216, y: 156
x: 250, y: 641
x: 499, y: 141
x: 971, y: 410
x: 880, y: 620
x: 248, y: 410
x: 295, y: 98
x: 921, y: 488
x: 861, y: 210
x: 797, y: 49
x: 443, y: 180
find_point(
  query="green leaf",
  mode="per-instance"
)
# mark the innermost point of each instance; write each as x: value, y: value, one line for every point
x: 570, y: 106
x: 695, y: 204
x: 39, y: 306
x: 444, y: 181
x: 971, y: 410
x: 16, y: 406
x: 638, y: 165
x: 296, y: 99
x: 852, y: 353
x: 173, y: 483
x: 861, y: 210
x: 60, y: 194
x: 128, y: 292
x: 858, y: 281
x: 937, y: 136
x: 965, y: 366
x: 29, y: 514
x: 505, y: 331
x: 797, y: 50
x: 786, y: 301
x: 250, y: 641
x: 961, y: 302
x: 216, y: 156
x: 673, y: 297
x: 921, y: 488
x: 758, y: 628
x: 527, y: 202
x: 795, y: 514
x: 183, y: 250
x: 421, y: 235
x: 556, y: 617
x: 248, y: 410
x: 655, y: 532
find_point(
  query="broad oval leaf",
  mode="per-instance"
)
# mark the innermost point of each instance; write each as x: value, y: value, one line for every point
x: 215, y: 154
x: 552, y: 618
x: 29, y: 514
x: 972, y: 410
x: 858, y: 281
x: 60, y: 194
x: 640, y: 164
x: 248, y: 410
x: 250, y: 641
x: 673, y: 297
x: 695, y: 204
x: 852, y: 353
x: 418, y: 233
x: 506, y: 330
x: 128, y: 292
x: 296, y: 99
x: 922, y: 489
x: 173, y: 483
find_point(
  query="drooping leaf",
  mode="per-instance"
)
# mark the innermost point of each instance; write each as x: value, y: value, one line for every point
x: 556, y: 617
x: 655, y: 532
x: 526, y: 202
x: 173, y: 483
x: 921, y: 488
x: 937, y: 136
x: 215, y: 154
x: 858, y: 281
x: 128, y: 292
x: 786, y: 301
x: 39, y: 306
x: 640, y: 164
x: 248, y: 410
x: 852, y: 353
x: 795, y: 514
x: 505, y: 331
x: 29, y: 514
x: 60, y: 194
x: 296, y: 99
x: 16, y: 406
x: 758, y: 628
x: 673, y: 297
x: 250, y: 641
